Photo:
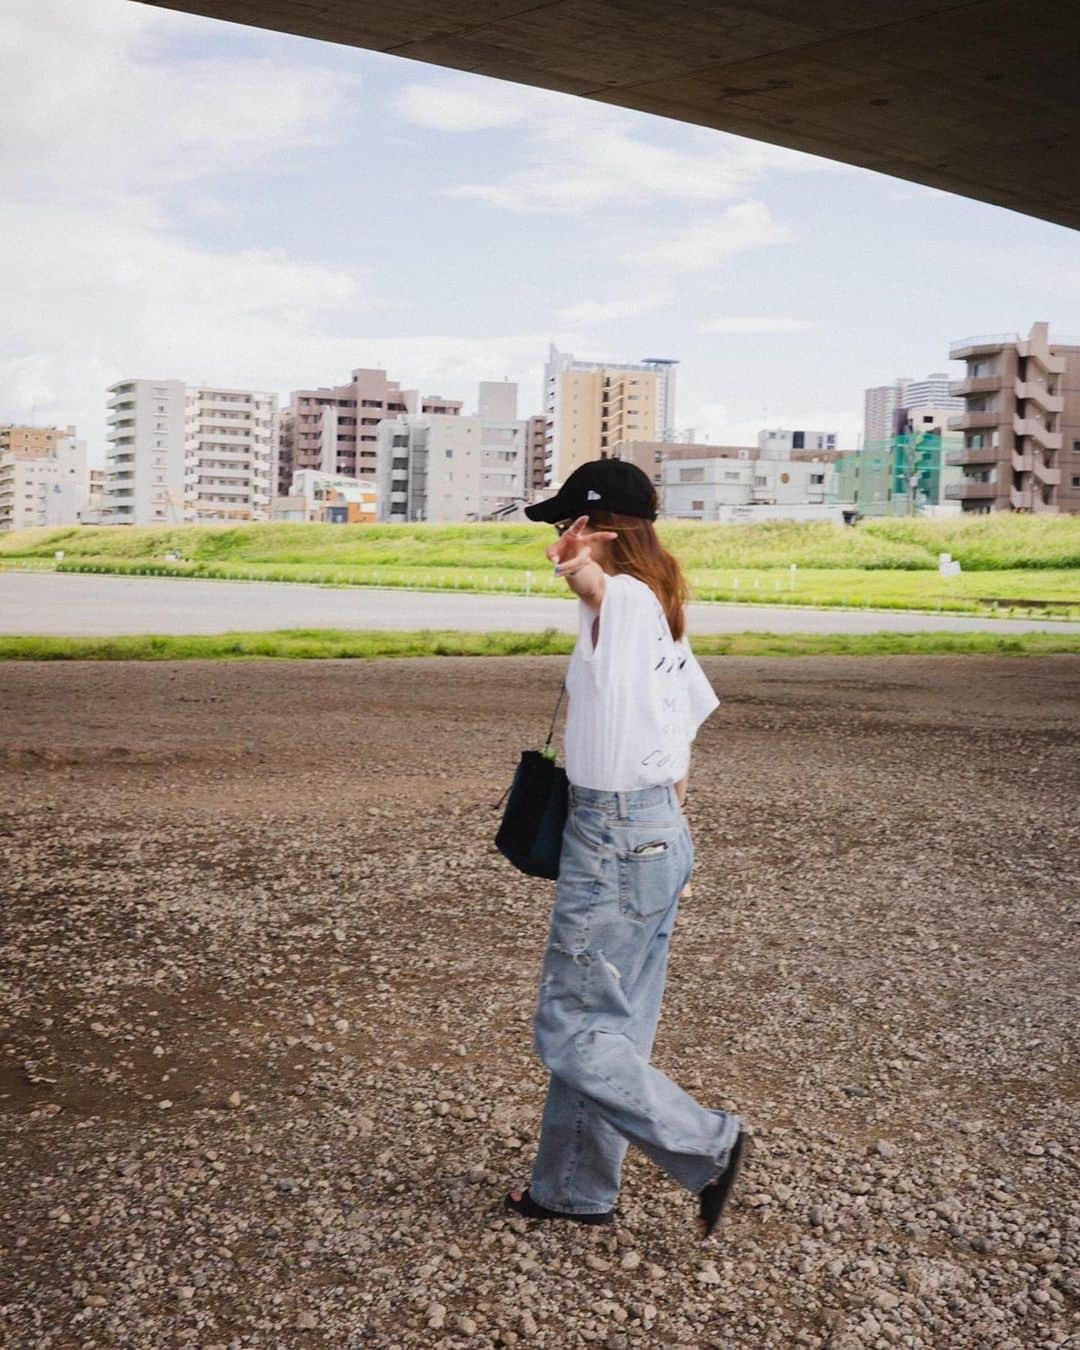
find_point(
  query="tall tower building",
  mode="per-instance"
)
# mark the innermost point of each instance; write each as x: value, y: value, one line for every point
x: 144, y: 460
x: 882, y: 409
x: 886, y: 406
x: 230, y: 453
x: 1021, y: 424
x: 591, y: 406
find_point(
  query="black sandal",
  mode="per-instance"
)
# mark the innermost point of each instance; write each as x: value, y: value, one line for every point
x: 532, y: 1209
x: 713, y: 1199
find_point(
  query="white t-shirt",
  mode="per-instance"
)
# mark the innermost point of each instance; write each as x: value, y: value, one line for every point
x: 636, y: 702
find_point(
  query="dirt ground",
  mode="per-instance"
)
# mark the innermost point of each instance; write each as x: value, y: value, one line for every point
x: 266, y: 989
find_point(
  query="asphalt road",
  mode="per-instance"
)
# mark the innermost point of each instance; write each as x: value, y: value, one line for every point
x: 55, y: 604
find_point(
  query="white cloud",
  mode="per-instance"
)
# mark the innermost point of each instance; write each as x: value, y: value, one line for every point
x: 583, y: 155
x: 721, y: 424
x: 708, y: 243
x: 156, y: 306
x: 602, y: 311
x: 755, y: 324
x: 106, y: 131
x: 93, y: 105
x: 443, y: 107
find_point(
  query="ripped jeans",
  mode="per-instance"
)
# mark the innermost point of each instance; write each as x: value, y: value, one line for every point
x: 625, y: 858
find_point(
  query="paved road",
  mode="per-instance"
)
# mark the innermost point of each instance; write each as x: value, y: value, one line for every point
x: 51, y: 603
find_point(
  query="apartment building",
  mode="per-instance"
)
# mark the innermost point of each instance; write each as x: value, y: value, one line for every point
x: 591, y: 406
x: 230, y: 452
x: 44, y: 477
x: 335, y: 430
x: 145, y: 456
x: 452, y: 467
x: 1020, y: 423
x: 742, y: 483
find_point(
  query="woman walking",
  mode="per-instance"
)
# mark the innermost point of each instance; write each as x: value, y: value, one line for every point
x: 637, y: 697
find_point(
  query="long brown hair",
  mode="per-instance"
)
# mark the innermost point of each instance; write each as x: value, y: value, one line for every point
x: 637, y: 549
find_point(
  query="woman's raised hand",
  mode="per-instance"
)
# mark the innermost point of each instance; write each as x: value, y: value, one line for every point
x: 573, y: 545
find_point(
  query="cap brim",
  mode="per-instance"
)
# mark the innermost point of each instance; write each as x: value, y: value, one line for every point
x: 549, y: 511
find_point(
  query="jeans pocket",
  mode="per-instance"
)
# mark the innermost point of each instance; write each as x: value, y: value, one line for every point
x: 651, y: 862
x: 588, y: 824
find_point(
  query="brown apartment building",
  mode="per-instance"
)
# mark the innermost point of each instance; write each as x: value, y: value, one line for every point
x: 1021, y: 424
x: 336, y: 429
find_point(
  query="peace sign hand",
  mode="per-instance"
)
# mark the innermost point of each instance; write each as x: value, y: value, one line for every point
x: 571, y: 550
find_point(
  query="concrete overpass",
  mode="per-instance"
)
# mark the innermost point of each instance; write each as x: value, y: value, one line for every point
x: 979, y: 97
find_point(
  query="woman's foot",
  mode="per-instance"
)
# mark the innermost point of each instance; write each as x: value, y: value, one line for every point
x: 522, y: 1202
x: 713, y: 1199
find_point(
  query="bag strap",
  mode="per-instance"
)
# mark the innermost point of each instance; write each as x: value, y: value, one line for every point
x: 554, y: 715
x: 551, y: 732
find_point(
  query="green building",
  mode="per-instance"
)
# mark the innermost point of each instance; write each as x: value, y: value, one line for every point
x: 878, y: 479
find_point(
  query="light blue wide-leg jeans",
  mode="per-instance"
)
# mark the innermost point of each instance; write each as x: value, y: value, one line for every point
x: 625, y: 858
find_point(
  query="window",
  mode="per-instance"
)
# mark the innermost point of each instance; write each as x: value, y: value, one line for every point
x: 449, y: 454
x: 817, y: 478
x: 1076, y: 480
x: 697, y: 506
x: 692, y: 475
x: 798, y: 440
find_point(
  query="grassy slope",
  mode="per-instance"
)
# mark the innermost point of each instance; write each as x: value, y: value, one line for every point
x: 984, y: 544
x: 884, y: 564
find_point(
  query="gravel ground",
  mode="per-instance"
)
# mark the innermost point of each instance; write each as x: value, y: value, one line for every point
x: 267, y: 990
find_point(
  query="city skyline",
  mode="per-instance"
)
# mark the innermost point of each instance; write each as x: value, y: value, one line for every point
x: 324, y: 209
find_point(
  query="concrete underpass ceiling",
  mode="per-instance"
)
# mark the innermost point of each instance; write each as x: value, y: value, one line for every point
x: 978, y: 97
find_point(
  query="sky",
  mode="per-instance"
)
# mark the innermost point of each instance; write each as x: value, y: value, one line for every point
x: 194, y: 200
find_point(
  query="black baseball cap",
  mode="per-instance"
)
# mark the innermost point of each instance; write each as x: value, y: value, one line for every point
x: 599, y: 485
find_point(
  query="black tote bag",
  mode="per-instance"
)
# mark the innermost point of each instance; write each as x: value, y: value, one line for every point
x: 530, y: 833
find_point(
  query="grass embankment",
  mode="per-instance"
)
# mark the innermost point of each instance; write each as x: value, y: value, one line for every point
x: 1010, y: 563
x: 314, y: 644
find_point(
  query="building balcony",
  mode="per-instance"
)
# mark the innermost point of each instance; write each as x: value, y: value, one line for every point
x: 1037, y: 431
x: 1020, y: 499
x: 974, y: 421
x: 214, y: 471
x: 970, y: 488
x: 1021, y: 461
x: 987, y: 454
x: 1037, y: 392
x: 977, y: 384
x: 211, y: 486
x: 1043, y: 473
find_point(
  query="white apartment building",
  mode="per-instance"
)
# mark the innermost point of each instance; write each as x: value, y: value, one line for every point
x: 44, y: 485
x: 145, y: 458
x: 448, y: 467
x: 735, y: 483
x: 229, y: 455
x: 199, y: 455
